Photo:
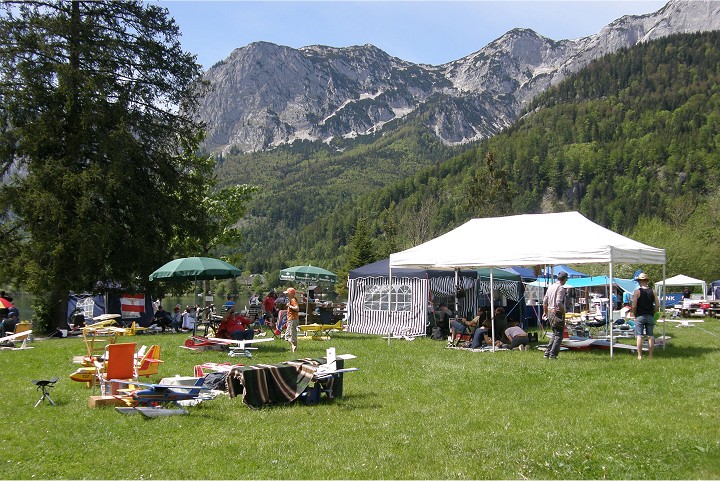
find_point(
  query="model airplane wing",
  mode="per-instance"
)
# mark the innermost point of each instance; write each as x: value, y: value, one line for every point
x: 240, y: 343
x: 13, y: 337
x: 9, y: 340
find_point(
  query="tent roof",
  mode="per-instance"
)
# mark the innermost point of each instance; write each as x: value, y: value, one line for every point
x: 681, y: 280
x: 381, y: 268
x: 563, y: 238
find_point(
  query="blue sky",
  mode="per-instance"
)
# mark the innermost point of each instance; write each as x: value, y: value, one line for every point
x: 432, y: 32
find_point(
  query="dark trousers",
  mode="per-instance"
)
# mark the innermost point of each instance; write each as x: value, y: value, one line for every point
x: 558, y: 329
x: 245, y: 335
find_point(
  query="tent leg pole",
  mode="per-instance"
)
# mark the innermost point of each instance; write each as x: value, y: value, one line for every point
x: 389, y: 301
x: 609, y: 322
x: 492, y: 307
x: 662, y: 306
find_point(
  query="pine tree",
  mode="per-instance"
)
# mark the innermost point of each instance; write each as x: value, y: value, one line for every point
x: 360, y: 248
x: 98, y: 136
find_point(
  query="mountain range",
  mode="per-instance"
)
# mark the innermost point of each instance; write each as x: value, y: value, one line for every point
x: 265, y: 95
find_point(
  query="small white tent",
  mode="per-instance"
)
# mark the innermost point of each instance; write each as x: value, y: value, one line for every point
x: 682, y: 281
x: 562, y: 238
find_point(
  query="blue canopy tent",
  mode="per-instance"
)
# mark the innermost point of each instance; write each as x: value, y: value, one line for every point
x: 526, y: 273
x: 572, y: 273
x: 626, y: 285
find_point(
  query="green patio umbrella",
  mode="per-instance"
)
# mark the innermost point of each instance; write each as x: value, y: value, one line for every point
x: 195, y: 269
x: 307, y: 274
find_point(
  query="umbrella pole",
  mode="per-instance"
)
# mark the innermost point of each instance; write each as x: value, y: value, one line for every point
x: 196, y: 314
x: 204, y: 296
x: 307, y: 302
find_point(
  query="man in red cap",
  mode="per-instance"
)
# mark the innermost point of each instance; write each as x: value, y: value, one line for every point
x: 293, y: 316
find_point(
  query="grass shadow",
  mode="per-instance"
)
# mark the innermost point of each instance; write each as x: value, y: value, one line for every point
x: 685, y: 351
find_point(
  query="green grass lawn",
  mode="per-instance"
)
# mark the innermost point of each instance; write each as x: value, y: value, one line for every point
x: 415, y: 410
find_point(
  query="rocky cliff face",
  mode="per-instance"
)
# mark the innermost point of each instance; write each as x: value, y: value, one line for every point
x: 266, y: 95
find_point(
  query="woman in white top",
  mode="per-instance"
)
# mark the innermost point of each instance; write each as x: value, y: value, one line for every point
x: 517, y: 337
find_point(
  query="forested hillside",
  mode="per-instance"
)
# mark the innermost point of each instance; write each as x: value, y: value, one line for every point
x: 631, y: 141
x: 308, y: 181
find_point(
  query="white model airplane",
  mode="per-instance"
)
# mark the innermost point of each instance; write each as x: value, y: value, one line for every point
x: 6, y: 341
x: 329, y: 369
x: 240, y: 347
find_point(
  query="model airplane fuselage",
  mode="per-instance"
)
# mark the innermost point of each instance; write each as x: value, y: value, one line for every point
x: 320, y: 329
x: 162, y: 394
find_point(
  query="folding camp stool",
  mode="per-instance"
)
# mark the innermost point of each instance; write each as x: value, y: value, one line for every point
x: 44, y: 386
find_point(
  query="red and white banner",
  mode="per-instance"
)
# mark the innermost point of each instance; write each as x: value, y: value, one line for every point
x: 131, y: 305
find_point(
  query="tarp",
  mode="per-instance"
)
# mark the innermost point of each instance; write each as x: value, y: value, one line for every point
x: 564, y: 238
x: 683, y: 281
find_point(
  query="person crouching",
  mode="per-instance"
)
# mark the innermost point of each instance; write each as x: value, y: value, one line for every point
x: 517, y: 337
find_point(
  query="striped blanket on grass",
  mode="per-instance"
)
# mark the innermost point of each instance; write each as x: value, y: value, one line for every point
x: 264, y: 384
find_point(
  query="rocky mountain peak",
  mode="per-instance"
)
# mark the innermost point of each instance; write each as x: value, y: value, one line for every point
x: 266, y: 95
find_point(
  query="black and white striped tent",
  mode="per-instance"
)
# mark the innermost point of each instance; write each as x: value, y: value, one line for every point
x: 371, y: 300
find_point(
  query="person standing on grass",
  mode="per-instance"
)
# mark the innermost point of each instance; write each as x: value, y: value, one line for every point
x: 269, y: 307
x: 554, y: 313
x: 645, y: 305
x: 293, y: 317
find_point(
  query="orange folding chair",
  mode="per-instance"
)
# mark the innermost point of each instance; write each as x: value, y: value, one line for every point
x: 119, y: 364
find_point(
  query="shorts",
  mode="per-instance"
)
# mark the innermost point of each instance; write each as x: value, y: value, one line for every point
x: 291, y: 331
x: 459, y: 327
x: 645, y: 324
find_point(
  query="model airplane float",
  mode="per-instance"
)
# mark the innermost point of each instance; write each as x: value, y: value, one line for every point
x: 321, y: 331
x: 153, y: 400
x: 8, y: 342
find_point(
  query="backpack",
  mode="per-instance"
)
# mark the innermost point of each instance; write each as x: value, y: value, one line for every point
x: 437, y: 334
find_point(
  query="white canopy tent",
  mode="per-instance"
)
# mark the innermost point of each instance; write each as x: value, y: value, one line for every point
x: 683, y: 281
x: 564, y: 238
